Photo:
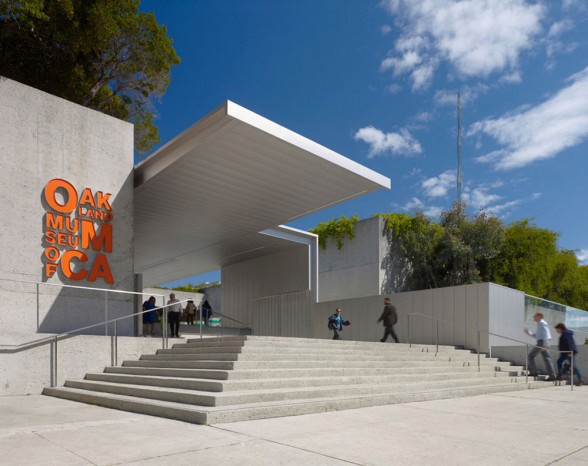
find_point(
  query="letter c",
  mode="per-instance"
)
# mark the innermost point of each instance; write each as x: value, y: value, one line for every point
x: 65, y: 263
x: 72, y: 196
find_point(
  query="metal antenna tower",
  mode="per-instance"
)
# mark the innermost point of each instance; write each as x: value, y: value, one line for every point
x: 458, y: 147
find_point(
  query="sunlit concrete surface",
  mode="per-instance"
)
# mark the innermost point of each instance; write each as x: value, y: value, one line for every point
x: 535, y: 427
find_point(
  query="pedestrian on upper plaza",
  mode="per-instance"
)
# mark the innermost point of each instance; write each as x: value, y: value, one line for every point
x: 190, y: 311
x: 174, y: 310
x: 389, y: 318
x: 567, y: 343
x: 205, y: 311
x: 336, y: 324
x: 149, y: 317
x: 543, y: 337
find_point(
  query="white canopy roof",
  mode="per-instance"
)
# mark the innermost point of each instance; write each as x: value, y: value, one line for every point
x: 202, y: 199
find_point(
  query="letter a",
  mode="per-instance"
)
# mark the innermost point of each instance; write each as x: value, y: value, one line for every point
x: 101, y: 269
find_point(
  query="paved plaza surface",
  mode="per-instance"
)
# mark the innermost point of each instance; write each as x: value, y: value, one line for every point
x: 532, y: 427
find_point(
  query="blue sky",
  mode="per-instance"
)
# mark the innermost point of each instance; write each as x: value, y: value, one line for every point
x: 377, y: 82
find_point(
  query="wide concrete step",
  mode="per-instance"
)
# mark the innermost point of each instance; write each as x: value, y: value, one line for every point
x: 319, y: 356
x: 308, y: 364
x: 214, y: 415
x: 310, y: 350
x: 202, y: 398
x: 209, y: 385
x: 269, y: 342
x: 303, y: 373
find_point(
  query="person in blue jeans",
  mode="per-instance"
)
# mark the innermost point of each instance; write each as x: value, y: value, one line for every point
x: 543, y: 337
x: 336, y: 324
x: 149, y: 317
x: 567, y: 343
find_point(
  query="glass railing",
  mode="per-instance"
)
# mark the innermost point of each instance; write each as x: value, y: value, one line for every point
x: 554, y: 313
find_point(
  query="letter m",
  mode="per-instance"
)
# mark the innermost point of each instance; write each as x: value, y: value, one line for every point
x: 54, y: 221
x: 97, y: 241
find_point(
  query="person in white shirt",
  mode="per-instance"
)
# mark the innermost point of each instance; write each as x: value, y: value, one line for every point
x: 543, y: 337
x: 174, y: 309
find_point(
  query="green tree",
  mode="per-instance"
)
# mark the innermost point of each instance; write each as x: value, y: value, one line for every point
x: 103, y: 54
x: 526, y: 258
x: 466, y: 246
x: 418, y: 240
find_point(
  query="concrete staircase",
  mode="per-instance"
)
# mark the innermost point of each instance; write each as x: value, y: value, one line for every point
x: 230, y: 379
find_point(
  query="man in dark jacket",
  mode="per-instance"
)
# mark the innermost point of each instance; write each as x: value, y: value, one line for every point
x: 336, y: 324
x: 389, y: 318
x: 567, y: 343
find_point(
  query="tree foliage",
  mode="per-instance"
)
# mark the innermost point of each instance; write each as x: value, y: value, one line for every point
x: 462, y: 249
x: 531, y: 261
x: 454, y: 251
x: 103, y: 54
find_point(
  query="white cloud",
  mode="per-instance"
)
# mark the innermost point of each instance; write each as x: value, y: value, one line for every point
x: 480, y: 198
x: 582, y: 255
x: 439, y: 186
x: 394, y: 88
x: 424, y: 116
x: 396, y: 143
x: 385, y: 29
x: 477, y: 38
x: 433, y: 211
x: 541, y: 132
x: 500, y: 210
x: 416, y: 204
x: 468, y: 95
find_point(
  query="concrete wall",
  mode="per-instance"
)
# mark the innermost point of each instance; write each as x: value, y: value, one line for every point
x: 463, y: 309
x: 507, y: 315
x: 369, y: 264
x: 354, y: 270
x: 274, y: 274
x: 44, y: 137
x: 27, y: 373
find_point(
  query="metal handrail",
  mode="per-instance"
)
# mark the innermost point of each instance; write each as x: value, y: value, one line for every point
x: 52, y: 341
x: 437, y: 319
x: 85, y: 288
x: 542, y: 348
x: 60, y: 285
x: 224, y: 317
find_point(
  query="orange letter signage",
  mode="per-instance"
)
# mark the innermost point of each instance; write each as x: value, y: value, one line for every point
x: 74, y: 228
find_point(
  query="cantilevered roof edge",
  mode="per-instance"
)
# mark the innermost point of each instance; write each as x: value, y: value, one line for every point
x: 173, y: 150
x: 274, y: 129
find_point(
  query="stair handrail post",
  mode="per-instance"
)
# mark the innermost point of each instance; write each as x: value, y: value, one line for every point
x: 112, y: 350
x: 106, y: 313
x: 526, y: 363
x: 55, y: 362
x: 479, y: 339
x: 572, y: 369
x: 162, y: 323
x: 200, y: 322
x: 409, y: 338
x: 51, y: 364
x: 116, y: 343
x: 437, y: 339
x: 38, y: 305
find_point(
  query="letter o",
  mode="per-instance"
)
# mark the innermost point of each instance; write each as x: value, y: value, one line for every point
x: 52, y: 253
x: 72, y: 196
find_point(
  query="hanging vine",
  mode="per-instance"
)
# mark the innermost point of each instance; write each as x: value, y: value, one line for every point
x: 336, y: 229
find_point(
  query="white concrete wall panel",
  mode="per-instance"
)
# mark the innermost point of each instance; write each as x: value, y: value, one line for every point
x: 355, y: 270
x: 45, y: 137
x: 507, y: 315
x: 275, y: 274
